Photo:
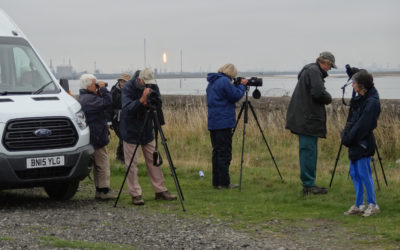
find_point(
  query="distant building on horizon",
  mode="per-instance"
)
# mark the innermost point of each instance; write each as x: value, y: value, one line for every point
x: 64, y: 71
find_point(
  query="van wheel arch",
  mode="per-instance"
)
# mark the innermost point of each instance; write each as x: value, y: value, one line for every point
x: 62, y: 191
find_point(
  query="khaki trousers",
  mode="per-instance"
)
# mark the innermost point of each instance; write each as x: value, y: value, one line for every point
x: 101, y: 170
x: 155, y: 173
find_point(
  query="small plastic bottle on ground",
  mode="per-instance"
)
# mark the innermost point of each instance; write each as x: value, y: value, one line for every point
x: 201, y: 174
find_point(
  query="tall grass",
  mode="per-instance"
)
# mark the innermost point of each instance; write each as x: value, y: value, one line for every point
x: 190, y: 146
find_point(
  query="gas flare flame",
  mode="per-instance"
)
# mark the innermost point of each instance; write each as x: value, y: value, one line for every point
x: 164, y: 57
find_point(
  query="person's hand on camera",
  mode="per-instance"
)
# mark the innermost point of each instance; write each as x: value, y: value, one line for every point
x: 244, y: 81
x: 100, y: 84
x: 143, y: 99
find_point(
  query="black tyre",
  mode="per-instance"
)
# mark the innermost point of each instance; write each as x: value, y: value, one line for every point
x: 62, y: 191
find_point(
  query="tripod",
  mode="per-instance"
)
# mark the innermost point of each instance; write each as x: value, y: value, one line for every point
x: 373, y: 163
x: 157, y: 127
x: 245, y: 107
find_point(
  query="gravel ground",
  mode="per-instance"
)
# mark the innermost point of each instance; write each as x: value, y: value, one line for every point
x: 28, y: 218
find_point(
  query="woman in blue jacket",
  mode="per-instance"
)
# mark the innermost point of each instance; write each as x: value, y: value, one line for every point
x: 359, y: 138
x: 221, y: 98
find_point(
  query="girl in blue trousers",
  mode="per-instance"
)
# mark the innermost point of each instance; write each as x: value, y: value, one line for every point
x: 359, y: 138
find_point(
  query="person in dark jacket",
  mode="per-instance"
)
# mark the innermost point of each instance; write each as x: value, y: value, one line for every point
x: 306, y: 117
x: 359, y: 138
x: 95, y: 99
x: 116, y: 112
x: 134, y: 107
x: 221, y: 98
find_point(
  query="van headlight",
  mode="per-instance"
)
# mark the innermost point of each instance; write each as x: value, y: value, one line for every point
x: 80, y: 119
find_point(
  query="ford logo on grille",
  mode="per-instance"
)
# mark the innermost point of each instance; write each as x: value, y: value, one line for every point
x: 42, y: 132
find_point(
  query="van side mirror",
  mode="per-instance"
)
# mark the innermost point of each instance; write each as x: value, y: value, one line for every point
x: 64, y: 84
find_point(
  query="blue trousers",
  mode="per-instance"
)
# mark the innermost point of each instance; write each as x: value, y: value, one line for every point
x: 360, y: 172
x: 308, y: 155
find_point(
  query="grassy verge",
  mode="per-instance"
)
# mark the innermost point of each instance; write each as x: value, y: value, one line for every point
x: 265, y: 202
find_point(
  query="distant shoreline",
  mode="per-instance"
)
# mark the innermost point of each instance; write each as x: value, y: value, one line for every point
x: 185, y: 75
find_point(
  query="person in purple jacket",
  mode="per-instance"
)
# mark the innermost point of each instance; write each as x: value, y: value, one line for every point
x: 222, y: 95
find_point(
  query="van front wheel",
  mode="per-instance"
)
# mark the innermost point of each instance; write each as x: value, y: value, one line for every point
x: 62, y: 191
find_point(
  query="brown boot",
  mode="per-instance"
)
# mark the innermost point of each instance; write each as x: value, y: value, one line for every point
x: 165, y: 196
x: 137, y: 200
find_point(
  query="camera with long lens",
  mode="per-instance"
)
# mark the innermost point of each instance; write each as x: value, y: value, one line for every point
x: 252, y: 81
x: 153, y: 98
x: 350, y: 71
x: 154, y: 101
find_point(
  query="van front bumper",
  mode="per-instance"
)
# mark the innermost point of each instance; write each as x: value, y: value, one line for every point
x: 15, y: 174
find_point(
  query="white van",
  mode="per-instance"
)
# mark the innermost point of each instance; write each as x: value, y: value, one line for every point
x: 44, y: 136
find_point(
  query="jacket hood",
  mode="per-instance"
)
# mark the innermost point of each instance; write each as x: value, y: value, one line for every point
x: 373, y: 93
x: 212, y: 77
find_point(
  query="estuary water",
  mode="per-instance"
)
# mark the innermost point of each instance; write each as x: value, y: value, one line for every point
x: 273, y: 86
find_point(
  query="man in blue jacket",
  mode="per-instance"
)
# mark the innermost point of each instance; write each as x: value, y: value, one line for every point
x: 134, y: 107
x: 221, y: 98
x: 306, y: 117
x: 359, y: 138
x: 95, y: 99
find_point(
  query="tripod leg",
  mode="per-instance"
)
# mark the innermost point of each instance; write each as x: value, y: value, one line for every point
x: 265, y: 140
x: 237, y: 121
x: 380, y: 162
x: 133, y: 156
x: 336, y: 161
x: 376, y: 175
x: 241, y: 158
x: 171, y: 164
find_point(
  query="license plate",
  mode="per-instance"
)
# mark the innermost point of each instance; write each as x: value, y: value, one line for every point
x: 43, y: 162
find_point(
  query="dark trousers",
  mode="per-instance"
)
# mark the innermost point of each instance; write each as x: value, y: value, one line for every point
x: 120, y: 148
x: 221, y: 141
x: 308, y: 154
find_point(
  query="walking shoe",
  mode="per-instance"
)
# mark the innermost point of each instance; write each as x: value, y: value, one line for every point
x: 371, y: 210
x: 314, y: 190
x: 165, y: 196
x: 230, y: 186
x: 137, y: 200
x: 355, y: 210
x: 105, y: 196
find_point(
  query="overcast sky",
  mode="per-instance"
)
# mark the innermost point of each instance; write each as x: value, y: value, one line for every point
x: 252, y: 34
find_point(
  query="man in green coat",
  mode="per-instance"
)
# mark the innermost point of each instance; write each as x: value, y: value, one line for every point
x: 306, y: 117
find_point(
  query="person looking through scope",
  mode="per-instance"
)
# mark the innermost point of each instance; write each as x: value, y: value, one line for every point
x: 222, y: 95
x: 136, y: 98
x: 306, y: 117
x: 95, y: 99
x: 359, y: 138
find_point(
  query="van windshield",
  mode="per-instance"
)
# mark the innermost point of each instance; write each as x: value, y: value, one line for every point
x: 21, y: 71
